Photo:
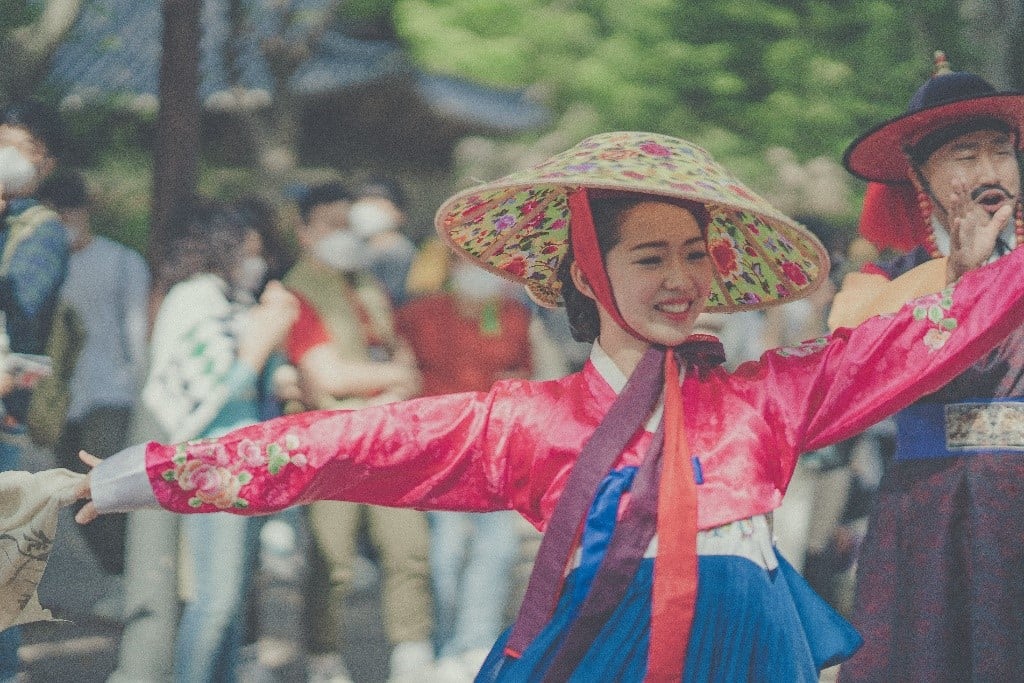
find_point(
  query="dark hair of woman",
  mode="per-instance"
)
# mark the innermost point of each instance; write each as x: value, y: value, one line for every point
x: 262, y: 217
x: 607, y: 210
x: 64, y: 189
x: 207, y: 237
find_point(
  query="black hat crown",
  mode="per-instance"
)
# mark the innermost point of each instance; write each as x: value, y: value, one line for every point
x: 951, y: 86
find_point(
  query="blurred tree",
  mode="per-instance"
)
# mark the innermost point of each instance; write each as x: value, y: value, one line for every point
x: 994, y: 28
x: 273, y: 130
x: 741, y: 76
x: 176, y: 150
x: 29, y: 32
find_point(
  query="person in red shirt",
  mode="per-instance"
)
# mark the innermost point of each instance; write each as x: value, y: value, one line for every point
x: 474, y: 332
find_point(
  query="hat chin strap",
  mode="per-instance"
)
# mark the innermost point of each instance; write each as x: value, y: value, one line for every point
x: 587, y: 253
x: 926, y: 203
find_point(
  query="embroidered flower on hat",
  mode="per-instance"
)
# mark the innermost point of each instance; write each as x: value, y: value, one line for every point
x: 518, y: 226
x: 724, y: 253
x: 795, y: 273
x: 655, y: 149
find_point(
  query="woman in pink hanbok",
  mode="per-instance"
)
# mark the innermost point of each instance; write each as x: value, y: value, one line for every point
x: 653, y: 471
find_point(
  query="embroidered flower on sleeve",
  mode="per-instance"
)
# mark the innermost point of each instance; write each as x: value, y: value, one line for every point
x: 934, y: 309
x: 804, y: 349
x: 214, y: 473
x: 935, y: 338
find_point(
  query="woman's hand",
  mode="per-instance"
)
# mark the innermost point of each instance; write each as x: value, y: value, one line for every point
x: 267, y: 324
x: 286, y: 383
x: 84, y: 490
x: 972, y: 233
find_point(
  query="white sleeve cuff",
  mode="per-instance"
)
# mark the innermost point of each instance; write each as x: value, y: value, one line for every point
x: 120, y: 482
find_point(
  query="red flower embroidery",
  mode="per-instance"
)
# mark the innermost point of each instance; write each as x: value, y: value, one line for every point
x: 516, y: 266
x: 528, y: 206
x: 795, y: 274
x: 656, y: 150
x: 724, y: 256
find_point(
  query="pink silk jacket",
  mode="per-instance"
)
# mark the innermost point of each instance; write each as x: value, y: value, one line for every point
x: 513, y: 447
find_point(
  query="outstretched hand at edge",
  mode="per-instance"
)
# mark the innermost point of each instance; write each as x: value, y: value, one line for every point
x: 84, y: 491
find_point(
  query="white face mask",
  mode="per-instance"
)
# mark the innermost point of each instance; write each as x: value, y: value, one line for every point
x: 250, y: 273
x: 477, y: 284
x: 369, y: 218
x: 341, y: 250
x: 16, y: 172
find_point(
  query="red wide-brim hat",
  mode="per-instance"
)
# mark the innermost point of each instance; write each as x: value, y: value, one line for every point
x: 890, y: 216
x: 946, y: 99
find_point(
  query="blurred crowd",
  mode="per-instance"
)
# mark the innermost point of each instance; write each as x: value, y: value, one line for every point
x: 231, y: 328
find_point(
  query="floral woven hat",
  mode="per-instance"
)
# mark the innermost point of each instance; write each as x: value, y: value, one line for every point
x: 518, y: 226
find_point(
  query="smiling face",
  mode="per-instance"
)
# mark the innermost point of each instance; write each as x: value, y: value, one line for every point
x: 985, y: 161
x: 660, y: 274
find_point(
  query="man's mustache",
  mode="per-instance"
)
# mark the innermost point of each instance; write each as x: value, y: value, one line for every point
x: 982, y: 189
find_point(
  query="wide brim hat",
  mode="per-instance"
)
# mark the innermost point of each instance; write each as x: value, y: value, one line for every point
x: 948, y: 98
x: 518, y: 226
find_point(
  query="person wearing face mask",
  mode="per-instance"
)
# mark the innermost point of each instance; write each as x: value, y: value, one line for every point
x: 348, y: 355
x: 377, y: 216
x: 276, y: 258
x: 476, y: 331
x: 211, y: 343
x: 33, y: 262
x: 107, y: 291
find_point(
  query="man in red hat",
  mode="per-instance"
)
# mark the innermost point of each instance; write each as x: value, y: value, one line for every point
x: 939, y: 594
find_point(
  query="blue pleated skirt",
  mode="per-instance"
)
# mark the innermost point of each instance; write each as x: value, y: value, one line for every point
x: 750, y: 623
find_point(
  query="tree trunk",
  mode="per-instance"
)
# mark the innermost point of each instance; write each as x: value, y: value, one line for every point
x: 993, y: 27
x: 176, y: 152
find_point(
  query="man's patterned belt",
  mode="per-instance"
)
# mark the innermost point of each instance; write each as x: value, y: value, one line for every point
x: 944, y: 430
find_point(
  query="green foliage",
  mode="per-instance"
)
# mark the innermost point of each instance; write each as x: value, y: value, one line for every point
x: 17, y: 13
x: 122, y: 185
x: 807, y: 74
x: 364, y: 10
x: 737, y: 76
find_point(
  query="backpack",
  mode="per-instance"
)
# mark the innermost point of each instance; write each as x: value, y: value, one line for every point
x: 48, y: 406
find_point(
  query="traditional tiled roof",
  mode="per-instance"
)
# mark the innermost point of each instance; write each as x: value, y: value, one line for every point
x: 113, y: 52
